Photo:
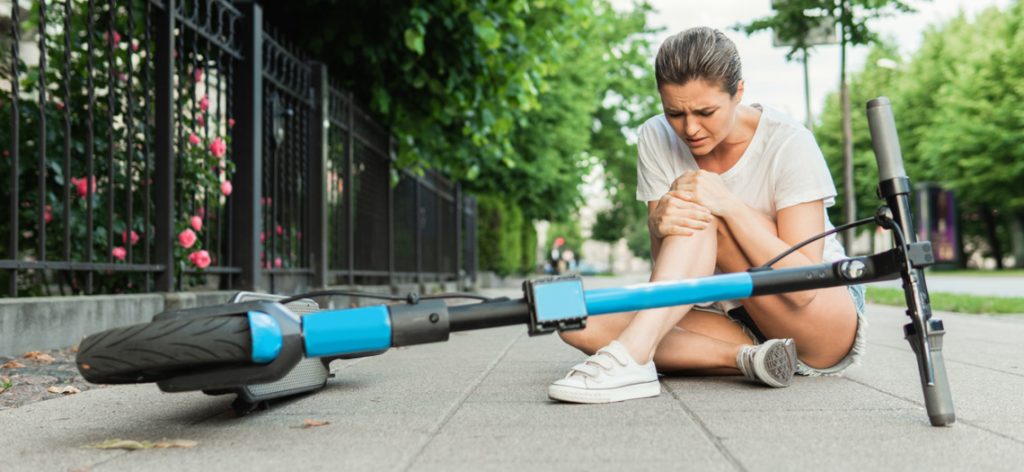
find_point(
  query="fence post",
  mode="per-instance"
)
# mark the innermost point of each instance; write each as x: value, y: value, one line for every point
x: 392, y: 156
x: 247, y: 147
x: 474, y: 245
x: 163, y: 175
x: 419, y: 233
x: 350, y: 200
x: 457, y: 221
x: 317, y: 191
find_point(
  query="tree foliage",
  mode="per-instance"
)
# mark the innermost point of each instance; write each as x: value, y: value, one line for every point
x: 956, y: 102
x: 501, y: 95
x: 794, y: 18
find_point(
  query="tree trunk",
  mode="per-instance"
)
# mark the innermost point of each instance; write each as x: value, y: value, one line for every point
x: 962, y: 262
x: 611, y: 257
x: 849, y: 200
x: 1017, y: 238
x: 988, y: 215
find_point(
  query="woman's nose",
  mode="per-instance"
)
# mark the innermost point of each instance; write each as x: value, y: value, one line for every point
x: 691, y: 127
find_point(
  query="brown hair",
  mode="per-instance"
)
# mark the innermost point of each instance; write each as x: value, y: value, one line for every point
x: 699, y: 53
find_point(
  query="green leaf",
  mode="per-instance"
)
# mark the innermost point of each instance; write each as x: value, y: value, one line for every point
x: 414, y: 40
x: 488, y: 34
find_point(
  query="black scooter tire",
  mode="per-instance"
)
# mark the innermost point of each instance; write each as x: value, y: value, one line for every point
x: 157, y: 350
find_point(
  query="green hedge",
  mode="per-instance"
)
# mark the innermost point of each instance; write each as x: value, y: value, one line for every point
x: 529, y: 248
x: 499, y: 236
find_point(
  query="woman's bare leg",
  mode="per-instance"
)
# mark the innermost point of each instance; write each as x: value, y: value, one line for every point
x: 824, y: 329
x: 689, y: 339
x: 680, y: 257
x: 701, y: 341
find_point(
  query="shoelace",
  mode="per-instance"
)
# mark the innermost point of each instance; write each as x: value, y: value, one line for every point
x: 592, y: 366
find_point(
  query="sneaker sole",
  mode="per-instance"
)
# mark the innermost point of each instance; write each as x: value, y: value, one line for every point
x: 610, y: 395
x: 780, y: 360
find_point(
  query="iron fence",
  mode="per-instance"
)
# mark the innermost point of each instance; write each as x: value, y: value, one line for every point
x: 153, y: 144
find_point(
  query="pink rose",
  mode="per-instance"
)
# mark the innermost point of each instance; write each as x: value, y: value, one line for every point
x: 197, y: 223
x: 48, y: 214
x: 84, y: 185
x: 201, y: 259
x: 225, y: 188
x: 59, y: 105
x: 263, y: 236
x: 119, y: 253
x: 198, y: 74
x: 117, y: 37
x: 231, y: 122
x: 200, y: 119
x: 204, y: 103
x: 193, y: 139
x: 135, y: 46
x: 187, y: 238
x: 279, y: 230
x: 134, y: 237
x: 218, y: 147
x: 277, y: 262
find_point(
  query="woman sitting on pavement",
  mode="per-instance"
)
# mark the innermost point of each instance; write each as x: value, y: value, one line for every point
x: 728, y: 186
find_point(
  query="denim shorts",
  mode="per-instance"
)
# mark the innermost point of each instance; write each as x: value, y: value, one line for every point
x: 740, y: 316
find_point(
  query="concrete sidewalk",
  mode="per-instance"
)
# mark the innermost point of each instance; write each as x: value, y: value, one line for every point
x: 478, y: 402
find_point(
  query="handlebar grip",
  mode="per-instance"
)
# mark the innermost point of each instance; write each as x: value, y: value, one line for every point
x: 884, y: 139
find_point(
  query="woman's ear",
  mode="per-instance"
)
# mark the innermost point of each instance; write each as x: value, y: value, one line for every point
x: 739, y: 92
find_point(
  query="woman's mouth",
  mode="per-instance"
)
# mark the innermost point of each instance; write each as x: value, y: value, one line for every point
x: 695, y: 142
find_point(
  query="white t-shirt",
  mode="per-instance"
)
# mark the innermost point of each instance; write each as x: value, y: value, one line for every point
x: 781, y: 167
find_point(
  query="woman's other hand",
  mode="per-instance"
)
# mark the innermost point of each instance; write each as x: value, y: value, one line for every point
x: 707, y: 190
x: 677, y: 214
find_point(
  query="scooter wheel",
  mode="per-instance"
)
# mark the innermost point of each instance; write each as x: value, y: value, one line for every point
x: 160, y: 349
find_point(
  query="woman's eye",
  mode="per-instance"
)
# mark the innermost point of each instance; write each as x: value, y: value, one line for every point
x: 706, y: 113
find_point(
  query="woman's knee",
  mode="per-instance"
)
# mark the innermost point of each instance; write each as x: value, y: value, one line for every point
x: 599, y: 333
x: 587, y: 340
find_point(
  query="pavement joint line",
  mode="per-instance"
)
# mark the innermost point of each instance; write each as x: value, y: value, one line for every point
x: 957, y: 361
x: 715, y: 440
x: 447, y: 416
x: 959, y: 420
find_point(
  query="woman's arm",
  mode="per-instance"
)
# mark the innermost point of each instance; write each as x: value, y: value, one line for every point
x: 761, y: 240
x: 757, y: 236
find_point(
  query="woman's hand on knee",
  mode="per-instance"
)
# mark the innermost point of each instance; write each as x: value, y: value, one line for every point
x: 707, y: 190
x: 677, y: 215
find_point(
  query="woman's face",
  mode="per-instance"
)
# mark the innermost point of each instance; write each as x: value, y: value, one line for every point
x: 701, y: 113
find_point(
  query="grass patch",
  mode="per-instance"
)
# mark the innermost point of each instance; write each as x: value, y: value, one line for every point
x: 977, y: 272
x: 943, y: 301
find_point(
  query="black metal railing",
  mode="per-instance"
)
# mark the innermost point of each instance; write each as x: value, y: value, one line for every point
x: 153, y: 144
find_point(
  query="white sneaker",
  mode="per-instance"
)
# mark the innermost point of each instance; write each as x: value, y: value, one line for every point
x: 610, y: 375
x: 772, y: 362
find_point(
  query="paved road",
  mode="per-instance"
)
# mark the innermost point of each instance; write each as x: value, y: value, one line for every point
x: 478, y: 402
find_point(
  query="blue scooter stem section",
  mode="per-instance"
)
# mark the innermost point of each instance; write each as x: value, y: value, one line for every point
x: 661, y: 294
x: 266, y: 337
x: 337, y: 332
